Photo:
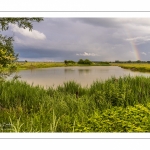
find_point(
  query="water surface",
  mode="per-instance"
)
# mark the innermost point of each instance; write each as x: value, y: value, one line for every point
x: 84, y: 75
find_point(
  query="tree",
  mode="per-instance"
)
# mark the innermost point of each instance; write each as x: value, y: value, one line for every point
x: 66, y: 62
x: 7, y: 54
x: 87, y: 61
x: 117, y: 61
x: 81, y: 61
x: 138, y: 61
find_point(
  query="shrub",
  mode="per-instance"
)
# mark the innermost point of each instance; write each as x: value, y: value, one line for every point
x: 118, y: 119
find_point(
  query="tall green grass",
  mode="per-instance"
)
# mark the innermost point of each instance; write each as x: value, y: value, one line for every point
x: 68, y: 108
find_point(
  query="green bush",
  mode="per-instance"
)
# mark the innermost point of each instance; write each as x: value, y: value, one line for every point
x: 86, y: 61
x: 116, y: 105
x: 118, y: 119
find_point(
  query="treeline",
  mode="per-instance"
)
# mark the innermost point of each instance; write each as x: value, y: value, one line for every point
x: 69, y: 62
x: 129, y: 61
x: 86, y: 62
x: 81, y: 61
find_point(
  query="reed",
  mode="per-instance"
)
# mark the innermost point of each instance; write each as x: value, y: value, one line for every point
x: 67, y: 108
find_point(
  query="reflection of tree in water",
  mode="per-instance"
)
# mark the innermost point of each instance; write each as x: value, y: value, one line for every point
x: 69, y: 70
x: 84, y: 71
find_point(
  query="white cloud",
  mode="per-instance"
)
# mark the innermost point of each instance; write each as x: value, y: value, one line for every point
x: 143, y: 53
x: 25, y: 32
x: 87, y: 54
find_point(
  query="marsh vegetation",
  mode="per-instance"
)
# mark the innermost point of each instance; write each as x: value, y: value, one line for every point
x: 142, y: 67
x: 115, y: 105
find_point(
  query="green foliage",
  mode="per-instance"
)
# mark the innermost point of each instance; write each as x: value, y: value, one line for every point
x: 118, y: 119
x: 117, y: 61
x: 21, y: 22
x: 81, y: 61
x: 86, y: 61
x: 138, y: 61
x: 116, y: 105
x: 7, y: 54
x: 69, y: 62
x: 102, y: 63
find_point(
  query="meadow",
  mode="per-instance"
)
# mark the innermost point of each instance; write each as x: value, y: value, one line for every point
x: 142, y: 67
x: 116, y: 105
x: 34, y: 65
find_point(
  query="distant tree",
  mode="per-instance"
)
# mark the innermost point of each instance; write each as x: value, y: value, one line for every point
x: 86, y: 61
x: 117, y: 61
x: 81, y: 61
x: 69, y: 62
x: 66, y: 62
x: 26, y: 61
x: 138, y: 61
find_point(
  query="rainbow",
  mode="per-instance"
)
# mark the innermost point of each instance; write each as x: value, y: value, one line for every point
x: 134, y: 47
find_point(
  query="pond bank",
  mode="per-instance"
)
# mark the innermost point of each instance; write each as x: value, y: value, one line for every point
x: 143, y: 67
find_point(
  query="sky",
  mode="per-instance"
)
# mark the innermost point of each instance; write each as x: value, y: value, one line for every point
x: 96, y: 39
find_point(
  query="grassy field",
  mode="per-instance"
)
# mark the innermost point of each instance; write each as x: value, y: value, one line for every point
x: 116, y: 105
x: 142, y: 67
x: 33, y: 65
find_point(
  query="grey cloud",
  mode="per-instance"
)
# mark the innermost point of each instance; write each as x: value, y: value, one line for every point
x: 101, y: 22
x: 66, y: 37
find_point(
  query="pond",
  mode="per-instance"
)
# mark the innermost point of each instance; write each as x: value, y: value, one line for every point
x: 84, y: 75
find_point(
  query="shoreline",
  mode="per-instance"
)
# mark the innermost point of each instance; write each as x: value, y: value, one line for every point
x: 140, y: 67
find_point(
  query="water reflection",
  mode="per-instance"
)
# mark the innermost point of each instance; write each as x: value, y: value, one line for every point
x: 69, y: 70
x: 84, y: 71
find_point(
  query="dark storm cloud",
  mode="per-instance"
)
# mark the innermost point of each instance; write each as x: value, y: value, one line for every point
x: 101, y: 22
x: 52, y: 54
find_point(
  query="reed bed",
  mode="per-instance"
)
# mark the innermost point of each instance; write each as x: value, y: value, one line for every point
x: 116, y: 105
